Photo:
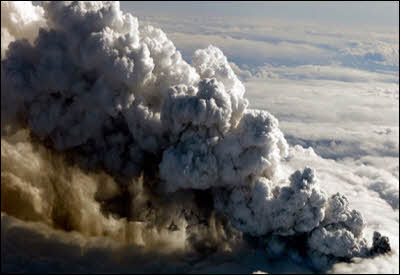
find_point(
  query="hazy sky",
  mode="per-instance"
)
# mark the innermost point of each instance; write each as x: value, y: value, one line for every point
x: 383, y: 13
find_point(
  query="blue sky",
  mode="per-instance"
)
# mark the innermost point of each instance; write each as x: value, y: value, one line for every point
x: 361, y: 35
x: 382, y: 13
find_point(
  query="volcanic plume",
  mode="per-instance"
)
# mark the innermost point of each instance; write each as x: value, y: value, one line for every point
x: 108, y: 131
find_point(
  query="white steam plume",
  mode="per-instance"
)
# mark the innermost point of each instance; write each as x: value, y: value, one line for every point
x: 122, y: 99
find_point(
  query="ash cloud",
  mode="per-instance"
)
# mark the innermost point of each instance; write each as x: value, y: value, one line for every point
x: 108, y: 131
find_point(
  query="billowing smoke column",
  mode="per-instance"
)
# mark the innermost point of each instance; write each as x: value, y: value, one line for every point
x: 124, y: 100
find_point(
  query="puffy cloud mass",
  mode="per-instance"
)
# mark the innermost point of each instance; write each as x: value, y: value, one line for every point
x: 166, y: 143
x: 19, y: 20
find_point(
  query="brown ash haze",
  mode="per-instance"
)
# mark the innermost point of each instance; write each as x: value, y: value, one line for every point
x: 120, y: 156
